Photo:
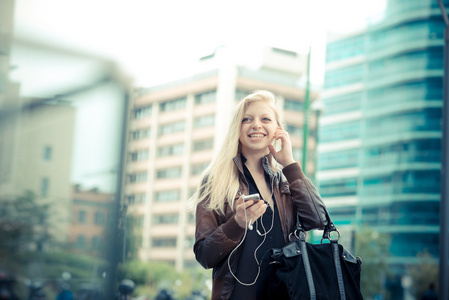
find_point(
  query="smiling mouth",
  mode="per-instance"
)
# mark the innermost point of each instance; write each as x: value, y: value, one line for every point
x: 256, y: 135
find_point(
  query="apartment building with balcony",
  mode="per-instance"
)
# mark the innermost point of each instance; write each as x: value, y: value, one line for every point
x: 175, y: 130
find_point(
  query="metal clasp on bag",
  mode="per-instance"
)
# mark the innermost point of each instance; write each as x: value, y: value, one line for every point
x: 299, y: 235
x: 329, y: 236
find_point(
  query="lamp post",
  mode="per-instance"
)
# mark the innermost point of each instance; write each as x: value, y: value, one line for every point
x: 444, y: 201
x: 306, y: 116
x: 317, y: 107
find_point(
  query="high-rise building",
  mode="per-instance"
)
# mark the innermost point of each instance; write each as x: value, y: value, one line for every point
x: 176, y: 128
x: 380, y: 136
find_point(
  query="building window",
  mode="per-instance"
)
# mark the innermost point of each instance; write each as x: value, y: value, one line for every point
x: 138, y: 221
x: 81, y: 242
x: 169, y: 173
x: 198, y: 168
x: 167, y: 196
x: 176, y: 149
x: 140, y: 155
x: 203, y: 145
x: 47, y: 153
x: 297, y: 153
x: 45, y: 185
x: 140, y: 134
x: 240, y: 94
x: 165, y: 219
x: 142, y: 112
x: 294, y: 105
x: 163, y: 242
x: 96, y: 242
x: 344, y: 76
x: 171, y: 128
x: 340, y: 132
x: 295, y: 130
x: 206, y: 97
x: 99, y: 218
x: 339, y: 159
x: 173, y: 104
x: 189, y: 242
x: 82, y: 217
x: 338, y: 187
x: 204, y: 121
x: 191, y: 218
x: 138, y: 177
x: 136, y: 198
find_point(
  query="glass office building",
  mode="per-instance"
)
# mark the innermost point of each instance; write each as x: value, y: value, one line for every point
x: 380, y: 135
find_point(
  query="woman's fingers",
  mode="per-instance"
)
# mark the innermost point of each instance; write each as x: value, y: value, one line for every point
x: 253, y: 211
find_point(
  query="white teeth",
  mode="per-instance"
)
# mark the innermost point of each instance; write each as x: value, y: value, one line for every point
x: 256, y: 135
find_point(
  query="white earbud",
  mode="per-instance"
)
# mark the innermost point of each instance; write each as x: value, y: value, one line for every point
x: 250, y: 225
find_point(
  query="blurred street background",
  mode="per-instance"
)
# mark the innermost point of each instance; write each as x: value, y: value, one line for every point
x: 110, y: 111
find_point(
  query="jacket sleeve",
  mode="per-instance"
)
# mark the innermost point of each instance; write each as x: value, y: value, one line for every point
x: 215, y: 237
x: 308, y: 202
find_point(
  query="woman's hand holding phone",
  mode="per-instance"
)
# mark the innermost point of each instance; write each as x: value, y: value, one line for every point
x: 254, y: 209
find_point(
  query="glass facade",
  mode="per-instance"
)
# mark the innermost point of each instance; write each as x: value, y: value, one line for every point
x: 383, y: 119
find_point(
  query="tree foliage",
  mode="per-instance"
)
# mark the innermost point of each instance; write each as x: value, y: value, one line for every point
x: 23, y: 224
x: 424, y: 273
x: 23, y: 231
x: 373, y: 248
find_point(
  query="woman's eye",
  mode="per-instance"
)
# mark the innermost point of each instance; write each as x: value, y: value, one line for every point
x: 246, y: 120
x: 267, y: 119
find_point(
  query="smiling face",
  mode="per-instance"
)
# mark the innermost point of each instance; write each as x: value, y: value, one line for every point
x: 257, y: 129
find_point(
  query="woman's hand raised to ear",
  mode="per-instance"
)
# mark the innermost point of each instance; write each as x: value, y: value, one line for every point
x: 285, y: 155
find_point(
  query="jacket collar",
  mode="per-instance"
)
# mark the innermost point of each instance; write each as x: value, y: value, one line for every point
x: 239, y: 160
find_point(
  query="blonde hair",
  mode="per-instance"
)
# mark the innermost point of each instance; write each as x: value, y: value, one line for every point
x: 220, y: 181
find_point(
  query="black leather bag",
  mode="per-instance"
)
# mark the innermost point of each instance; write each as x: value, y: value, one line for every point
x: 314, y: 271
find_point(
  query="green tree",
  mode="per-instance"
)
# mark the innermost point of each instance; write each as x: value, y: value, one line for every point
x: 150, y: 277
x: 23, y: 226
x: 424, y: 273
x: 373, y: 248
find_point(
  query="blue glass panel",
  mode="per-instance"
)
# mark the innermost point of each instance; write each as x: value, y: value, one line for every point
x: 344, y: 103
x: 340, y: 159
x: 428, y: 150
x: 339, y: 132
x: 410, y: 244
x: 344, y: 76
x: 423, y: 120
x: 338, y: 187
x: 430, y: 89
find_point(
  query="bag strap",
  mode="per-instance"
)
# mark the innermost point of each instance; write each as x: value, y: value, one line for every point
x: 306, y: 264
x: 301, y: 235
x: 337, y: 263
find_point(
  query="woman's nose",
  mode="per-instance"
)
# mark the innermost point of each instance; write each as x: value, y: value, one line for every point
x: 256, y: 123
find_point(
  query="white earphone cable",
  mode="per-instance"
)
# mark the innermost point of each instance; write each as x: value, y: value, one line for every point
x: 264, y: 235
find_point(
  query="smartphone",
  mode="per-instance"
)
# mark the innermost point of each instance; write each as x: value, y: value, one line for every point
x: 254, y: 197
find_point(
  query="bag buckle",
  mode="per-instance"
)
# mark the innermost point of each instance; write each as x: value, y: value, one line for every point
x: 327, y: 235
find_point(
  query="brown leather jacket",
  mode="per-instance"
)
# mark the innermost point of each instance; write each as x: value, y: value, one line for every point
x: 217, y: 235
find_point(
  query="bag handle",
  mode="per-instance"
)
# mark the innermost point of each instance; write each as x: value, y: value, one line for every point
x: 300, y: 232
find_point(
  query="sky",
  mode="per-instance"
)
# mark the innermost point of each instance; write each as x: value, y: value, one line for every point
x: 154, y: 42
x: 158, y: 41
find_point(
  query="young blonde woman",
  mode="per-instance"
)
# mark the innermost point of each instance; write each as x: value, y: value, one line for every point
x: 232, y: 235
